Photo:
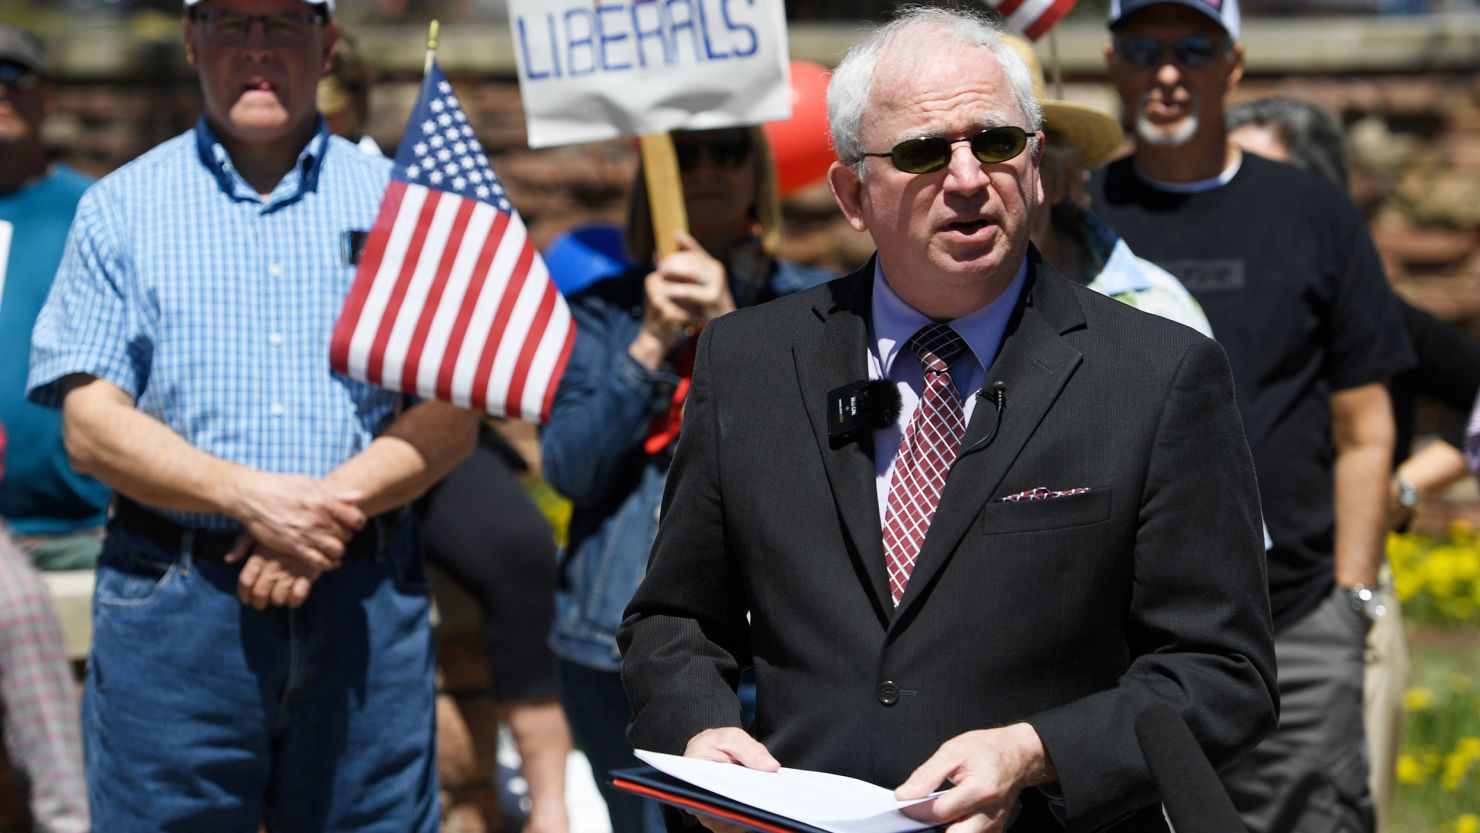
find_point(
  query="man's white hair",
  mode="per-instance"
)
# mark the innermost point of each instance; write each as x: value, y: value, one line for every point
x: 917, y: 32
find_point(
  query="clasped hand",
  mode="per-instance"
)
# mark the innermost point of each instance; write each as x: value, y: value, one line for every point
x: 295, y: 529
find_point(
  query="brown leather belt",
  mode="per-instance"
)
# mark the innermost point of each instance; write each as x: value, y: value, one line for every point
x: 209, y: 545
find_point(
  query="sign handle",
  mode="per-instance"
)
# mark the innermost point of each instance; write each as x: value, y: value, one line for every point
x: 665, y: 191
x: 432, y: 34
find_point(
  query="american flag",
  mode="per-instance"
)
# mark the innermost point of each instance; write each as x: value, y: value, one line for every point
x: 1032, y: 18
x: 451, y: 300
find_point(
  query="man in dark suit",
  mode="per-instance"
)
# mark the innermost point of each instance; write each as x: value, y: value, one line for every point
x: 991, y: 591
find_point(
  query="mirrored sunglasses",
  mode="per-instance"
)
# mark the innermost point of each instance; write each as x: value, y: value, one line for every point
x: 931, y: 153
x: 284, y: 29
x: 728, y: 152
x: 18, y: 78
x: 1195, y: 51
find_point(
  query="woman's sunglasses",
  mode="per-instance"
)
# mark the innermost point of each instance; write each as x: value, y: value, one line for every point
x: 724, y: 151
x: 1195, y: 52
x: 931, y: 153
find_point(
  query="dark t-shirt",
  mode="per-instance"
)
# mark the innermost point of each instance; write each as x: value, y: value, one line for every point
x: 1285, y: 269
x: 1448, y: 372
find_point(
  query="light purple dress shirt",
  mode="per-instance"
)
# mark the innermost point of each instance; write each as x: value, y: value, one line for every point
x: 894, y: 321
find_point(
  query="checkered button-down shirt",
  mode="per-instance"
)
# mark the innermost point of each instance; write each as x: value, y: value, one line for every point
x: 212, y: 305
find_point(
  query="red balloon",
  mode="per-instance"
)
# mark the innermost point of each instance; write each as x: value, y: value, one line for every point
x: 802, y: 145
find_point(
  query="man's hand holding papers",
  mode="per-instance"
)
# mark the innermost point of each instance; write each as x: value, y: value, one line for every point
x: 988, y: 768
x: 728, y: 744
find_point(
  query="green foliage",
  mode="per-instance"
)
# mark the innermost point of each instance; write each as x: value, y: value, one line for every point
x: 1439, y: 767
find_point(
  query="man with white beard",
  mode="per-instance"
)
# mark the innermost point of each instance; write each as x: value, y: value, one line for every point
x: 1283, y: 265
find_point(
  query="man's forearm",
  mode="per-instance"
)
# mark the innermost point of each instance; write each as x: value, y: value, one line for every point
x: 418, y: 448
x: 137, y: 455
x: 1362, y: 430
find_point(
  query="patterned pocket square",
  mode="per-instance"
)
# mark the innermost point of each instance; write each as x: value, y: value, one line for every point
x: 1043, y: 493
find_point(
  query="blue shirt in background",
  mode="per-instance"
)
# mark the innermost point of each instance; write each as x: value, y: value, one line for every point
x: 213, y: 306
x: 40, y: 493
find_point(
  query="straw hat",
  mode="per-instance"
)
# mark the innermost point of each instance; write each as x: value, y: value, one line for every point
x: 1094, y: 133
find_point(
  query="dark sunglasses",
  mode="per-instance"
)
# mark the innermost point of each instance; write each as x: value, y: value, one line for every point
x: 931, y: 153
x: 18, y: 78
x: 284, y: 29
x: 724, y: 151
x: 1195, y: 52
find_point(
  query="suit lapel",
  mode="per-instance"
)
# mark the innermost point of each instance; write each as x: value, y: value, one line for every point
x: 1034, y: 363
x: 830, y: 355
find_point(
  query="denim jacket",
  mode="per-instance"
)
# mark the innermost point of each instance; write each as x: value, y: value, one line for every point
x: 593, y: 454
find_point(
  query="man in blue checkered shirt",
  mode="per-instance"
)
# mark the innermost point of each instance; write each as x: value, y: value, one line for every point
x: 261, y: 653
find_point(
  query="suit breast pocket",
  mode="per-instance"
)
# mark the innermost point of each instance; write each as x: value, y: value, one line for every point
x: 1041, y: 515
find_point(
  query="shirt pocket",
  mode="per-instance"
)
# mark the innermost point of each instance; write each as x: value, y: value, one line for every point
x: 1002, y: 518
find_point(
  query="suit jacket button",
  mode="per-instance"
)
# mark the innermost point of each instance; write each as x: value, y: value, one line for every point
x: 888, y: 693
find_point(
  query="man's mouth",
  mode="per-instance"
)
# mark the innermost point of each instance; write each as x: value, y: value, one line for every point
x: 968, y: 227
x: 1160, y: 107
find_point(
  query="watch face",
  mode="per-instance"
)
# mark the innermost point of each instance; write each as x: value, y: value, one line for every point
x: 1407, y: 495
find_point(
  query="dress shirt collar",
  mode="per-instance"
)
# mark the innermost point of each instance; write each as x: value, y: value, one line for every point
x: 302, y: 178
x: 894, y: 321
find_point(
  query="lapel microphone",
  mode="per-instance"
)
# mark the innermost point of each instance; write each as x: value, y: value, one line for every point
x: 999, y: 399
x: 862, y: 406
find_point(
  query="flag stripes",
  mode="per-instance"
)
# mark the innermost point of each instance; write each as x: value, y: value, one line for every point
x: 1032, y: 18
x: 451, y: 300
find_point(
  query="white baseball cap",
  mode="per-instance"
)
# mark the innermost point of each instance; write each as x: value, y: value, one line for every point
x: 327, y: 4
x: 1223, y: 12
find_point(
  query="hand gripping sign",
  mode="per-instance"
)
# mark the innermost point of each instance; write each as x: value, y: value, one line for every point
x: 598, y: 69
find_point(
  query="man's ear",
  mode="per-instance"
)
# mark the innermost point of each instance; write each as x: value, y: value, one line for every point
x: 188, y: 27
x: 1236, y: 72
x: 847, y: 190
x: 331, y: 37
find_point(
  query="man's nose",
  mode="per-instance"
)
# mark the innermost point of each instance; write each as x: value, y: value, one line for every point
x: 1168, y: 73
x: 256, y: 40
x: 964, y: 173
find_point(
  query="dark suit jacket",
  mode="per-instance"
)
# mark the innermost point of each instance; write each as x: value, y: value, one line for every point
x: 1072, y: 614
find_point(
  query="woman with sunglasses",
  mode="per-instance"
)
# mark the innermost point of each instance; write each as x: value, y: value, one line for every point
x: 618, y: 411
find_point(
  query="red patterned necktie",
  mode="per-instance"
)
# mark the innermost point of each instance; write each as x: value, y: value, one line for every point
x: 926, y: 452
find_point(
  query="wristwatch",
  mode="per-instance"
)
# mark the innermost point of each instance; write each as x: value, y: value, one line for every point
x: 1365, y: 601
x: 1407, y: 494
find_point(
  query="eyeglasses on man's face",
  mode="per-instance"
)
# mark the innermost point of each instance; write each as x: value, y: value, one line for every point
x: 1193, y: 52
x: 283, y: 29
x: 926, y: 154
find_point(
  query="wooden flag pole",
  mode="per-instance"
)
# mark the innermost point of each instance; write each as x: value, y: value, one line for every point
x: 665, y: 191
x: 432, y: 32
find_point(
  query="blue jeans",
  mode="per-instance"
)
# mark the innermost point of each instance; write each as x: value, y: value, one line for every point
x: 203, y: 714
x: 596, y: 707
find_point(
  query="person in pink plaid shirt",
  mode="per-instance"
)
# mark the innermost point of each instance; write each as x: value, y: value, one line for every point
x: 37, y: 693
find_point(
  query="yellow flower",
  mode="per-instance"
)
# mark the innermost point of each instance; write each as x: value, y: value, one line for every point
x: 1410, y: 771
x: 1418, y: 699
x: 1457, y: 763
x: 1467, y: 823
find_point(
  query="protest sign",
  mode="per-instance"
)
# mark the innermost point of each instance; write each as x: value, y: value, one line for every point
x: 598, y: 69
